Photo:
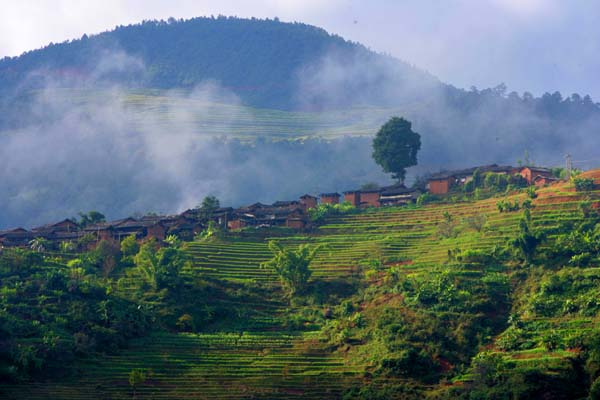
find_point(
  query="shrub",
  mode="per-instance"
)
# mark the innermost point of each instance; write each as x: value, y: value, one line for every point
x: 583, y: 184
x: 475, y: 222
x: 322, y: 211
x: 425, y: 198
x: 447, y: 228
x: 531, y: 192
x: 508, y: 206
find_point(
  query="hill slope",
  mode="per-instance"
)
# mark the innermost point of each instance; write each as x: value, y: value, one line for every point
x: 261, y: 60
x: 398, y: 307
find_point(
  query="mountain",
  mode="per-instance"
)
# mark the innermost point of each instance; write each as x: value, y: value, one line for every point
x: 261, y: 60
x: 156, y: 115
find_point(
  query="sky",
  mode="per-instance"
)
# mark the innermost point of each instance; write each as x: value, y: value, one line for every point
x: 533, y: 45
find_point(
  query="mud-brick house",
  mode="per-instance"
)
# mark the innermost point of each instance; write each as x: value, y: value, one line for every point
x: 398, y: 195
x: 101, y: 231
x: 330, y: 198
x: 540, y: 180
x: 184, y: 228
x: 307, y: 201
x: 295, y: 222
x: 352, y: 197
x: 531, y: 173
x: 18, y: 237
x: 442, y: 182
x: 370, y: 198
x: 220, y: 216
x: 142, y: 228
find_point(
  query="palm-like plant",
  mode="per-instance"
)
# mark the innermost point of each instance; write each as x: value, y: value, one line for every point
x: 38, y: 244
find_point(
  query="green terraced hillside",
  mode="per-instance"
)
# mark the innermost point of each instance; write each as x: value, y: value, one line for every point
x: 330, y: 344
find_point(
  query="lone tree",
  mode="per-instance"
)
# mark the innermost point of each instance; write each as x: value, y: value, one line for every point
x: 395, y: 147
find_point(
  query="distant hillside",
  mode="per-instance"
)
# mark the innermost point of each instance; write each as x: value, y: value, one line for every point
x: 260, y: 60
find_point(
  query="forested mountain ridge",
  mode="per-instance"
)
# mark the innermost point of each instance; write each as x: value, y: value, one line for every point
x: 258, y: 59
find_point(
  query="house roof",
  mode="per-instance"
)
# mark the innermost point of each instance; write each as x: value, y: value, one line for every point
x: 335, y: 194
x: 307, y: 196
x: 461, y: 173
x: 351, y: 191
x: 370, y: 191
x: 550, y: 178
x: 48, y: 227
x: 286, y: 203
x: 399, y: 189
x: 537, y: 169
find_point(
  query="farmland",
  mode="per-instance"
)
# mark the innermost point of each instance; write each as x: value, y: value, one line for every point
x: 388, y: 287
x: 209, y: 114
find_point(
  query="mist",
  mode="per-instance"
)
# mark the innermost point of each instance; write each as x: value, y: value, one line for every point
x: 75, y: 142
x: 459, y: 128
x: 89, y: 149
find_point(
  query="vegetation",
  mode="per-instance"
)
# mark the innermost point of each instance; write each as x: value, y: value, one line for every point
x: 583, y: 184
x: 209, y: 205
x: 390, y: 306
x: 395, y: 147
x: 291, y: 266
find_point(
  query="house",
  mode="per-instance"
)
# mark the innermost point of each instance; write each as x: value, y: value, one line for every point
x: 370, y: 198
x: 352, y: 197
x: 330, y: 198
x: 66, y: 225
x: 442, y: 182
x: 100, y: 231
x: 18, y: 237
x: 142, y: 228
x: 531, y: 173
x: 295, y: 222
x: 540, y: 180
x: 287, y: 204
x: 307, y: 201
x: 396, y: 195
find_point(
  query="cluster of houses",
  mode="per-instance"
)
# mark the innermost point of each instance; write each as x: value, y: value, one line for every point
x: 291, y: 214
x: 443, y: 182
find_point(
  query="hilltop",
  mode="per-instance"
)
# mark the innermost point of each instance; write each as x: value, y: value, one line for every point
x: 260, y: 60
x: 459, y: 298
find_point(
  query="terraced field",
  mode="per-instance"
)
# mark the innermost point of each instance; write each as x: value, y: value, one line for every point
x: 205, y: 115
x: 272, y: 362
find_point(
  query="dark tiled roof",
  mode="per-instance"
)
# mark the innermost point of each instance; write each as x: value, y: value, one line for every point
x: 336, y: 194
x: 286, y: 203
x: 461, y: 173
x: 371, y: 191
x: 395, y: 190
x: 537, y: 169
x: 307, y: 196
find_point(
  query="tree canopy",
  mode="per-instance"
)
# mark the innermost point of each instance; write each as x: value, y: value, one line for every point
x: 395, y: 147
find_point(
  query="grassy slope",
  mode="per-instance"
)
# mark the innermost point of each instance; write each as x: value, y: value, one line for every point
x: 205, y: 115
x: 263, y: 359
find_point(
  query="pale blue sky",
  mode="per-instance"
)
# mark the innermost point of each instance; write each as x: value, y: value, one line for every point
x: 535, y: 45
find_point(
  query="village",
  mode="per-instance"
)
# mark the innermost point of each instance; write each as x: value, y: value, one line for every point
x: 292, y: 214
